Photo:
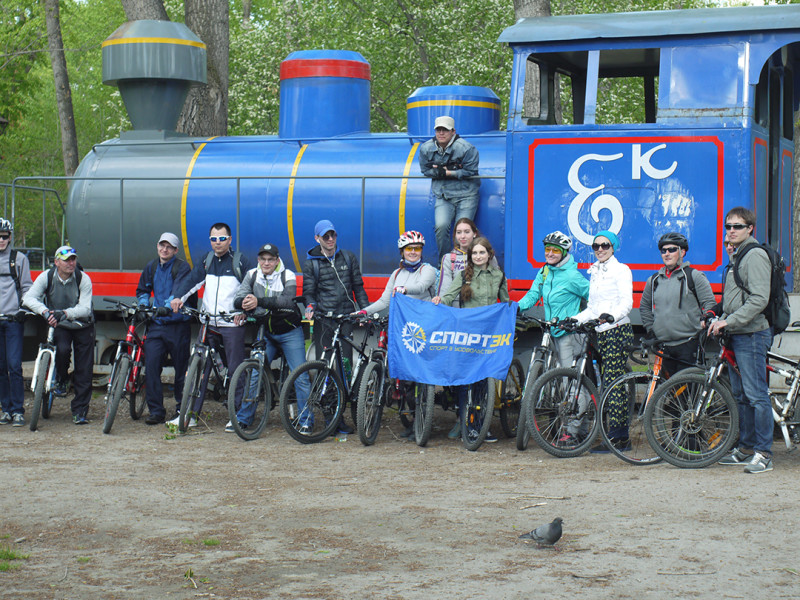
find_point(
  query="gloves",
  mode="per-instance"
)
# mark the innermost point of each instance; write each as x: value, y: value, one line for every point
x: 20, y: 316
x: 607, y: 318
x: 309, y: 314
x: 163, y: 311
x: 359, y: 313
x: 59, y: 315
x: 400, y: 289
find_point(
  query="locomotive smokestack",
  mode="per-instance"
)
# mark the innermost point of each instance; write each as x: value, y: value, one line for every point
x: 154, y: 63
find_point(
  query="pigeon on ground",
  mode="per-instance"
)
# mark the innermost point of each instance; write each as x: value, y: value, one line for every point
x: 545, y: 535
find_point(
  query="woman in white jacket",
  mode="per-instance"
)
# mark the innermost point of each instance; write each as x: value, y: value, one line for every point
x: 611, y: 292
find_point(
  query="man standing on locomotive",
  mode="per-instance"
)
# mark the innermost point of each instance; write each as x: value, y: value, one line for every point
x: 674, y: 302
x: 750, y: 338
x: 171, y: 334
x: 220, y: 272
x: 331, y: 283
x: 452, y: 163
x: 63, y: 296
x: 15, y: 280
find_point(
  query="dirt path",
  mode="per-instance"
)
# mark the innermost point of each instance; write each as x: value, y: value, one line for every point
x: 126, y: 515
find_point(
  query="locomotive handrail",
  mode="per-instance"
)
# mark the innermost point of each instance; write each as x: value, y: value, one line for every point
x: 44, y: 191
x: 363, y: 178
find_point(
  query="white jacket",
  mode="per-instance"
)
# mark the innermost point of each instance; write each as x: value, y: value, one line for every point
x: 610, y: 291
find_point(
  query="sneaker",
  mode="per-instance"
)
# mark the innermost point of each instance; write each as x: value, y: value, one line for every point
x: 155, y: 419
x: 60, y: 389
x: 17, y: 420
x: 409, y: 432
x: 5, y: 419
x: 80, y: 420
x: 229, y: 427
x: 455, y: 432
x: 737, y: 457
x: 567, y: 440
x: 490, y: 438
x: 759, y: 464
x: 176, y: 421
x: 345, y: 428
x: 305, y: 430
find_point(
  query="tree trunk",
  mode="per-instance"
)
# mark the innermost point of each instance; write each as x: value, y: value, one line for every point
x: 66, y: 118
x: 247, y: 6
x: 206, y: 110
x: 531, y: 100
x: 136, y: 10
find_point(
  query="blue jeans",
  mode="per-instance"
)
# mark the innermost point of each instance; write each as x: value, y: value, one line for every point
x: 445, y: 211
x: 751, y: 391
x: 11, y: 385
x: 293, y: 345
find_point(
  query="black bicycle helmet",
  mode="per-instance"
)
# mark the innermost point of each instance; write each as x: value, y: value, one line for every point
x: 673, y: 237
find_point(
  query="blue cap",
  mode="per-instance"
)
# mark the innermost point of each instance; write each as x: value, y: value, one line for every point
x: 610, y: 236
x: 323, y: 227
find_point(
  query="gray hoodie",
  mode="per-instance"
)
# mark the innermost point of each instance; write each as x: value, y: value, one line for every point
x: 742, y: 311
x: 673, y: 313
x: 9, y: 300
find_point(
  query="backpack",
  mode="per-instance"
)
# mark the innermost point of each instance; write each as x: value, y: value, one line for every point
x: 689, y: 283
x: 12, y: 272
x: 777, y: 310
x: 175, y: 266
x: 237, y: 264
x: 51, y: 274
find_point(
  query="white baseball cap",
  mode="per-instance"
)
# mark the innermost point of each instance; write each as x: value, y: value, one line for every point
x: 170, y: 238
x: 446, y: 122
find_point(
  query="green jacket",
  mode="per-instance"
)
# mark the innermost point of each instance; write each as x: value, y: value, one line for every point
x: 488, y: 286
x: 562, y: 287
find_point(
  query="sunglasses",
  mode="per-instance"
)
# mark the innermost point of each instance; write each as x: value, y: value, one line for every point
x: 736, y: 226
x: 219, y: 238
x: 4, y: 236
x: 442, y: 129
x: 414, y: 248
x: 604, y: 246
x: 553, y: 249
x: 331, y: 235
x: 669, y: 250
x: 66, y: 254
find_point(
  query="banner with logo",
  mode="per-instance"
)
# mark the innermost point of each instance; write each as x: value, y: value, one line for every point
x: 441, y: 345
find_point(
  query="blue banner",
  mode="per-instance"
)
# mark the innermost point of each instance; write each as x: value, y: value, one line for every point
x: 441, y: 345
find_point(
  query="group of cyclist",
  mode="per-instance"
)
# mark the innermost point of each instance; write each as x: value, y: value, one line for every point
x: 676, y: 303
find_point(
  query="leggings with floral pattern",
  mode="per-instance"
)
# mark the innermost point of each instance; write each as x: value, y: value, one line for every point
x: 614, y: 357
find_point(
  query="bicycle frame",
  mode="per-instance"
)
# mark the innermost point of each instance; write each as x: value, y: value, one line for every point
x: 203, y: 348
x: 334, y: 359
x: 133, y: 346
x: 47, y: 347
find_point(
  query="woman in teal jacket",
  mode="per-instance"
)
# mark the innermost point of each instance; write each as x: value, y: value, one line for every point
x: 561, y: 288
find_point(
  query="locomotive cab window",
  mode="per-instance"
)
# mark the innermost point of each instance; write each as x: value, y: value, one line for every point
x: 587, y: 87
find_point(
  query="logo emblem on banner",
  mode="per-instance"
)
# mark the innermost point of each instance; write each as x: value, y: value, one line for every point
x: 414, y: 337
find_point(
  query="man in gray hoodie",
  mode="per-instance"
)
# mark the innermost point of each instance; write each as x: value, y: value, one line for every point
x: 750, y: 338
x: 15, y: 280
x: 674, y: 302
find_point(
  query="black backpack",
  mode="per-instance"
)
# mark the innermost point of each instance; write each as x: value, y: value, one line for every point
x: 777, y: 309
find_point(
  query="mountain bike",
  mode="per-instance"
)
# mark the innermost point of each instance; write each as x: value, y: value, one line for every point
x: 196, y: 375
x: 260, y: 382
x: 127, y: 370
x: 378, y: 391
x: 509, y: 398
x: 543, y: 359
x: 331, y: 387
x: 692, y: 420
x: 562, y: 411
x: 43, y: 380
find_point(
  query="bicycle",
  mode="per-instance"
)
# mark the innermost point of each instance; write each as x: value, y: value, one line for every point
x: 562, y: 411
x: 331, y: 387
x: 198, y: 362
x: 543, y: 359
x: 261, y: 386
x: 378, y: 390
x: 692, y: 420
x: 127, y: 371
x: 509, y: 398
x: 43, y: 380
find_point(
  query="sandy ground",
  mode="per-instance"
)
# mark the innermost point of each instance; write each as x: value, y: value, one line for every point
x: 131, y: 514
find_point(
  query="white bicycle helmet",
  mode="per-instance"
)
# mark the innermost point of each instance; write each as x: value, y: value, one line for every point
x: 5, y: 225
x: 410, y: 237
x: 559, y: 239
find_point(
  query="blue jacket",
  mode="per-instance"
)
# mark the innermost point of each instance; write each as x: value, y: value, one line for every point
x: 561, y: 287
x: 462, y: 158
x: 157, y: 279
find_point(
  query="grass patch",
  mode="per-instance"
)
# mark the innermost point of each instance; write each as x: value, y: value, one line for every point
x: 211, y: 542
x: 83, y: 559
x: 7, y: 553
x: 7, y: 566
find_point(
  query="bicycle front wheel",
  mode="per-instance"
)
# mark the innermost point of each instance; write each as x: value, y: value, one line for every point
x: 191, y: 390
x: 256, y: 400
x: 511, y: 398
x: 370, y: 402
x: 121, y: 373
x: 562, y: 413
x: 477, y: 414
x: 424, y: 401
x: 523, y: 433
x: 137, y: 399
x: 316, y: 418
x: 678, y: 435
x: 39, y: 393
x: 637, y: 389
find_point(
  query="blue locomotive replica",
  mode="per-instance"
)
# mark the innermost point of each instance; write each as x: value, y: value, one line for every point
x: 718, y: 89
